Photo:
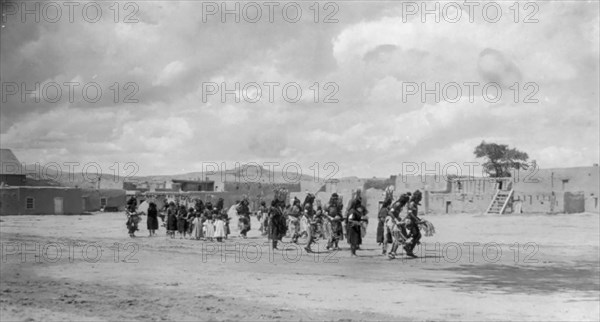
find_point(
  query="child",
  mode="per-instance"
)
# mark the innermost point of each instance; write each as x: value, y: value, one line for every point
x: 197, y: 227
x: 226, y: 221
x: 210, y: 229
x: 219, y: 228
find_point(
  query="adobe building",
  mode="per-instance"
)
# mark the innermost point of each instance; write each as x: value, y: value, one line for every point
x: 40, y: 201
x: 20, y: 195
x: 562, y: 190
x: 192, y: 185
x: 104, y: 199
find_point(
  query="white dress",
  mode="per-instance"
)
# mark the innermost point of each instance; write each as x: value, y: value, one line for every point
x: 210, y: 229
x: 219, y: 228
x: 197, y: 230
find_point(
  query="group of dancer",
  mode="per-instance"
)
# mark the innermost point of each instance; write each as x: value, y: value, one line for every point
x: 398, y: 231
x: 308, y: 219
x: 311, y: 220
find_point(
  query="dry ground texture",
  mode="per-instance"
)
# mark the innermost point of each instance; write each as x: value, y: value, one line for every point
x: 548, y: 269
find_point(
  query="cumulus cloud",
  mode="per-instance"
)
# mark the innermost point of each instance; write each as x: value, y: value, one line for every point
x: 169, y: 73
x: 495, y: 67
x: 370, y: 53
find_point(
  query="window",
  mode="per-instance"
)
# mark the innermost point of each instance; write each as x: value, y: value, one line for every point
x: 564, y: 183
x: 102, y: 202
x: 29, y: 203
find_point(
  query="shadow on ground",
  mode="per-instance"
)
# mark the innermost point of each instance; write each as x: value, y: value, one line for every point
x: 581, y: 276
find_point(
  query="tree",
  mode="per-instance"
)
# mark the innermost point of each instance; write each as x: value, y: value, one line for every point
x: 499, y: 159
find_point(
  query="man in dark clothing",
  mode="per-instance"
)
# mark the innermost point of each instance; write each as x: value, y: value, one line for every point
x: 243, y: 210
x: 277, y: 227
x: 413, y: 226
x: 354, y: 219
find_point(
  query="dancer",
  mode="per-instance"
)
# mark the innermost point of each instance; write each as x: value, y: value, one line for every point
x: 294, y: 218
x: 243, y: 211
x: 354, y: 219
x: 389, y: 197
x: 263, y: 218
x: 334, y: 215
x: 277, y: 227
x: 395, y: 227
x: 133, y: 218
x: 314, y: 223
x: 413, y: 223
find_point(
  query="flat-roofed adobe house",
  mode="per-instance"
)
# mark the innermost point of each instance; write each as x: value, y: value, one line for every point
x: 193, y: 185
x: 18, y: 198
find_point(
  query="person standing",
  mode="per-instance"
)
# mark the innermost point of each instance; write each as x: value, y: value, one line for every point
x: 152, y: 221
x: 312, y: 230
x: 277, y: 227
x: 294, y: 222
x: 334, y: 214
x: 226, y: 219
x: 413, y: 223
x: 219, y: 228
x: 209, y: 227
x: 383, y: 237
x: 263, y: 218
x: 181, y: 221
x: 171, y: 219
x: 354, y: 220
x: 243, y: 211
x: 395, y: 228
x: 197, y: 227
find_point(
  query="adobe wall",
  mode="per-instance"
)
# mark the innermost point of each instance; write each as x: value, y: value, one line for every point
x: 115, y: 198
x: 14, y: 200
x: 535, y: 191
x: 9, y: 201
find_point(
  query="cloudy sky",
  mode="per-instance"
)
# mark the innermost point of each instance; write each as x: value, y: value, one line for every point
x: 370, y: 56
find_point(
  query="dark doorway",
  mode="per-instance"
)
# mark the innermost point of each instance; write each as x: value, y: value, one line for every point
x: 574, y: 202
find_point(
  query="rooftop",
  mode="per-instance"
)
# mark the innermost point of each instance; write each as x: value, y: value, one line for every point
x: 191, y: 181
x: 9, y: 164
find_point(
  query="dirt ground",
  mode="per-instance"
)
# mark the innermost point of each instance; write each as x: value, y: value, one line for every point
x: 84, y: 268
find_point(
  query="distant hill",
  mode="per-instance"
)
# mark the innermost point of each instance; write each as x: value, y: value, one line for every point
x: 248, y: 173
x: 51, y: 176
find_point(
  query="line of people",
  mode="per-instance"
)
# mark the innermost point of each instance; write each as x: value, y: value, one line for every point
x: 308, y: 219
x: 298, y: 220
x: 201, y: 222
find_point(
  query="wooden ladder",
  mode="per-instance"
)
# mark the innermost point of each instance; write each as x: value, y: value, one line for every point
x: 499, y: 202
